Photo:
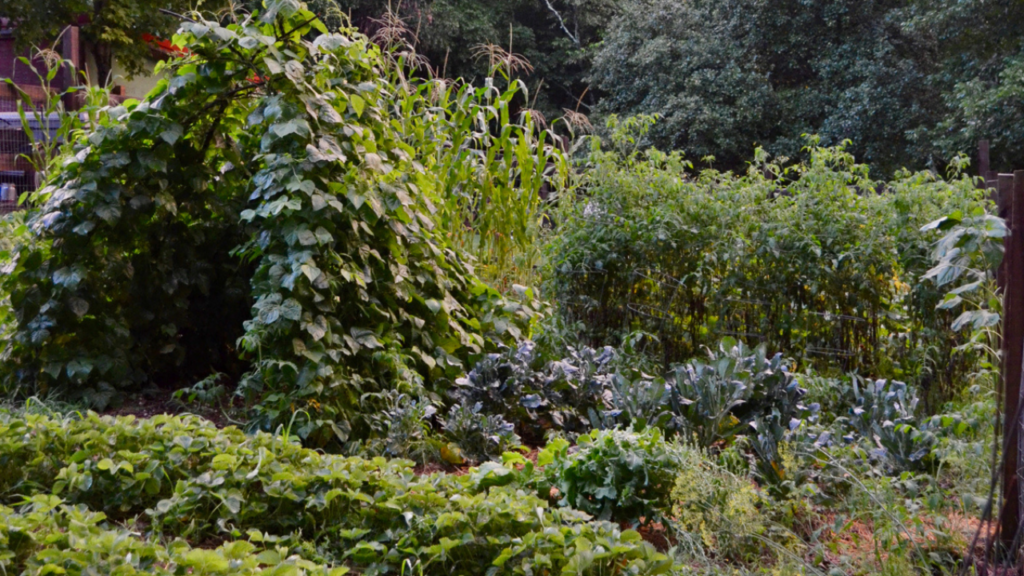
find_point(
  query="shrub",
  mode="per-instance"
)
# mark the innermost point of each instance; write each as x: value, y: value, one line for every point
x: 260, y: 198
x: 614, y: 474
x: 181, y: 476
x: 692, y: 258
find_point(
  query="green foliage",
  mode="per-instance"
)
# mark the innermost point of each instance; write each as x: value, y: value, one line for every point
x: 884, y: 417
x: 479, y: 435
x: 969, y: 251
x: 714, y: 510
x: 491, y: 166
x: 557, y: 36
x: 691, y: 259
x: 46, y: 146
x: 726, y: 76
x: 614, y: 474
x: 113, y: 30
x: 46, y: 535
x: 987, y: 107
x: 264, y: 172
x: 537, y: 396
x: 722, y: 395
x: 402, y: 428
x: 184, y: 477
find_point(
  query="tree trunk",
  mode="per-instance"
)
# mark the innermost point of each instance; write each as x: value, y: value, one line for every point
x: 101, y: 51
x: 103, y: 54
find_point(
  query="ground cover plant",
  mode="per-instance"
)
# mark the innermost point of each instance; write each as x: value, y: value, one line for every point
x: 280, y: 507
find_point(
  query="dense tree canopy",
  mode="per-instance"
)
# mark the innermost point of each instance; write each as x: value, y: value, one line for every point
x: 981, y: 75
x: 909, y: 82
x: 727, y: 75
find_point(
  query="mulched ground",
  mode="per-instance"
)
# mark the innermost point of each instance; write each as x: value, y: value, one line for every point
x: 162, y: 402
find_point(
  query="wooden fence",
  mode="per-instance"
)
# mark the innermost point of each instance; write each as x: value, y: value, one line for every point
x: 1008, y: 193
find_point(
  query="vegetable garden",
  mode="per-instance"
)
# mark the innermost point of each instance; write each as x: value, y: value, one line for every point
x: 452, y: 338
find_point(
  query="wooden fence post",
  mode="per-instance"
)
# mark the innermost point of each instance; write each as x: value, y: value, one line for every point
x: 1002, y: 191
x: 71, y: 51
x: 1013, y: 356
x: 984, y: 164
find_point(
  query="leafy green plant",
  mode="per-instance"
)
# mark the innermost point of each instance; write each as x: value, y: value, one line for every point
x: 537, y: 396
x: 969, y: 251
x: 480, y: 436
x: 47, y: 535
x: 715, y: 399
x: 623, y: 475
x: 46, y: 141
x: 692, y: 257
x: 260, y: 201
x: 716, y: 511
x: 182, y: 477
x: 708, y: 396
x: 884, y: 417
x: 402, y: 427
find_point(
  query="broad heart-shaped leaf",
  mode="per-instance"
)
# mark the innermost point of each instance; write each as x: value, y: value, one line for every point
x: 172, y: 133
x: 69, y: 278
x: 306, y: 238
x: 976, y: 319
x: 291, y: 309
x: 358, y: 104
x: 79, y: 306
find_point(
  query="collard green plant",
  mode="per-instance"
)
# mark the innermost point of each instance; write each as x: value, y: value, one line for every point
x: 621, y: 475
x: 479, y: 436
x: 884, y: 418
x: 568, y: 395
x: 716, y: 398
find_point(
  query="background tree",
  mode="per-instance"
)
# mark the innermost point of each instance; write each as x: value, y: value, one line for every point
x: 112, y: 29
x: 556, y: 36
x: 981, y: 76
x: 728, y: 75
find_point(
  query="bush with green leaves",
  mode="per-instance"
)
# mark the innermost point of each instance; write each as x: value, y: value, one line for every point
x: 621, y: 475
x: 263, y: 193
x: 183, y: 477
x: 692, y: 258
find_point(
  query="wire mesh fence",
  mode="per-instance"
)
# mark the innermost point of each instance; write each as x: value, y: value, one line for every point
x: 686, y: 316
x: 17, y: 173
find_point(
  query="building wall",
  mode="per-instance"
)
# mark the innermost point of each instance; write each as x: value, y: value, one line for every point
x: 134, y: 87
